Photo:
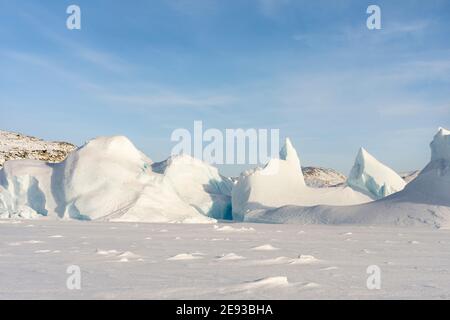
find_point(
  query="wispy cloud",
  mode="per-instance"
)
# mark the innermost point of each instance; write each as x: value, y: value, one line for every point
x: 194, y: 7
x: 167, y: 100
x: 404, y: 110
x: 101, y: 59
x: 272, y: 8
x: 85, y: 53
x: 353, y: 34
x: 406, y: 27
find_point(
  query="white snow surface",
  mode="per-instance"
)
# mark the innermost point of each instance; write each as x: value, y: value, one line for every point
x: 109, y: 179
x: 373, y: 178
x: 312, y: 262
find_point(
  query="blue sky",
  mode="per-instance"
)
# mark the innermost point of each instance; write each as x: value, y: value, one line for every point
x: 309, y: 68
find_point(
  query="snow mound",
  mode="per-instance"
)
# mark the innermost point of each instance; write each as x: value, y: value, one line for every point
x: 304, y: 259
x: 107, y: 252
x: 260, y: 284
x: 265, y: 247
x: 281, y: 182
x: 229, y: 257
x: 185, y: 256
x: 301, y: 260
x: 231, y: 229
x: 370, y: 176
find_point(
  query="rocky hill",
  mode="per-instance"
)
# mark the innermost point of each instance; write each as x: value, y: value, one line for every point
x: 14, y: 146
x: 316, y: 177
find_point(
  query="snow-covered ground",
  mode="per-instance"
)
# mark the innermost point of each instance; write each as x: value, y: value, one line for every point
x: 226, y: 261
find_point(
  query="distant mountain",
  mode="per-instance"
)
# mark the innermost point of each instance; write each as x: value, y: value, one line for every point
x: 14, y: 146
x: 316, y: 177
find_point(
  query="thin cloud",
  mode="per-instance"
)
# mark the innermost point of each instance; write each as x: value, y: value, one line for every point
x: 412, y: 109
x: 406, y: 27
x: 272, y: 8
x: 93, y: 56
x: 161, y: 100
x: 194, y: 7
x: 102, y: 59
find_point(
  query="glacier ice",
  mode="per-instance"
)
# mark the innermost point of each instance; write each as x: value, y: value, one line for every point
x: 26, y: 189
x: 432, y: 185
x: 198, y: 184
x: 281, y: 183
x: 424, y: 201
x: 373, y: 178
x: 289, y: 154
x: 440, y: 146
x: 109, y: 179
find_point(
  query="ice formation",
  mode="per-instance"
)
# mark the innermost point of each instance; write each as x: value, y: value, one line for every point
x: 109, y: 179
x: 373, y: 178
x: 432, y: 185
x: 281, y: 183
x: 424, y: 201
x: 198, y: 184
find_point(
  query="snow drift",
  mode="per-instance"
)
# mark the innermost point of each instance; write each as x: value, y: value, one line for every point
x: 373, y: 178
x: 281, y: 183
x: 109, y: 179
x: 424, y: 201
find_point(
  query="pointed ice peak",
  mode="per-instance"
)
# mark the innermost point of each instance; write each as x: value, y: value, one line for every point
x: 373, y: 177
x: 362, y: 152
x: 440, y: 146
x: 364, y: 155
x: 289, y: 154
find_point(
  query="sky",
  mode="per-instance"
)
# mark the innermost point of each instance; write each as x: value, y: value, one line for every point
x: 311, y: 69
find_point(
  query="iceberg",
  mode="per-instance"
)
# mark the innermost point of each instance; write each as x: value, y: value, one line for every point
x: 110, y: 179
x: 373, y: 178
x: 198, y: 184
x: 425, y: 201
x: 280, y: 183
x: 432, y: 185
x: 26, y: 189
